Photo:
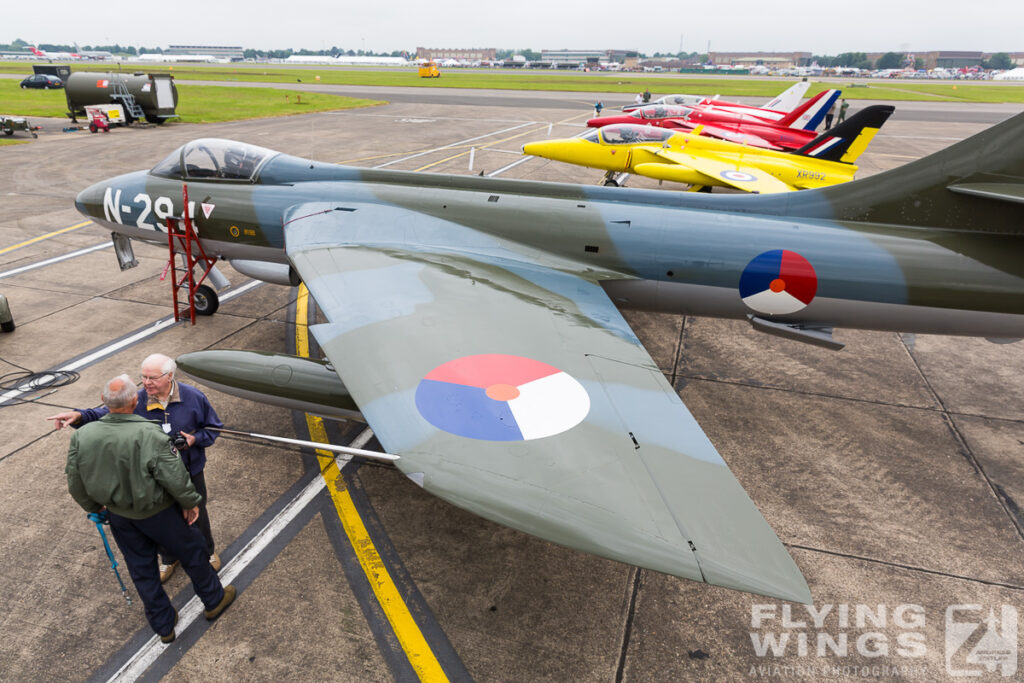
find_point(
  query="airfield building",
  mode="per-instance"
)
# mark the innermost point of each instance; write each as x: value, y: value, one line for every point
x: 474, y: 54
x: 232, y: 52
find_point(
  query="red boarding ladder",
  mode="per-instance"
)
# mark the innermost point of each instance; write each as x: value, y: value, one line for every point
x: 181, y: 233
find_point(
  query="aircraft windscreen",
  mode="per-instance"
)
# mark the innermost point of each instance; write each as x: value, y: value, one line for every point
x: 590, y: 135
x: 626, y: 134
x: 663, y: 112
x: 214, y: 158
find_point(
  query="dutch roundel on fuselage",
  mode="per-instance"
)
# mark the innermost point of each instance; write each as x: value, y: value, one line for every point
x: 778, y: 282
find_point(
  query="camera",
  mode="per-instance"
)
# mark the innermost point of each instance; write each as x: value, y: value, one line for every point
x: 179, y: 441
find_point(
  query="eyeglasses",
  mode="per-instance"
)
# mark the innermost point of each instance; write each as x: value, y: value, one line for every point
x: 146, y: 378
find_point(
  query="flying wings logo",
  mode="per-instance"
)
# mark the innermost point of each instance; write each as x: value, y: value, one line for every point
x: 497, y: 397
x: 778, y: 282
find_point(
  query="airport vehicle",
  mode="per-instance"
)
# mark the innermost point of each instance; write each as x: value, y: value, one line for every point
x: 10, y: 124
x: 97, y: 121
x: 474, y: 322
x: 42, y: 81
x: 786, y: 101
x: 103, y: 116
x: 429, y: 70
x: 792, y: 131
x: 704, y: 162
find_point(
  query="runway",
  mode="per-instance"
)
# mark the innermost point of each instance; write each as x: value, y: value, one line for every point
x: 893, y: 469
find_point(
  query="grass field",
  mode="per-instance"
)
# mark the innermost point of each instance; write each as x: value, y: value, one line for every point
x: 196, y: 103
x: 539, y: 79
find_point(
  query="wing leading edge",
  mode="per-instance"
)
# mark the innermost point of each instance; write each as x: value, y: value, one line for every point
x: 513, y: 388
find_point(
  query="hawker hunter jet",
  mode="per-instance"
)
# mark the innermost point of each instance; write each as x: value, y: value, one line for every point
x: 704, y: 162
x: 792, y: 131
x: 474, y: 322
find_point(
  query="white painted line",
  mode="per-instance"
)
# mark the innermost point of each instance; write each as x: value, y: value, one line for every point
x: 455, y: 144
x: 509, y: 167
x: 153, y: 648
x: 105, y: 351
x: 56, y: 259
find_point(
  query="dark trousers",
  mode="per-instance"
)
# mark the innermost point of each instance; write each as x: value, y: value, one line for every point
x: 138, y: 540
x: 203, y: 523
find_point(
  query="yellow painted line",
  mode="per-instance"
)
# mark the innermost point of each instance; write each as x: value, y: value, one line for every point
x: 498, y: 142
x: 44, y: 237
x: 416, y: 648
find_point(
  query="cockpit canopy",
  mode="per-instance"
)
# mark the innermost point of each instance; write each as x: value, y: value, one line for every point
x: 629, y: 133
x: 660, y: 112
x: 214, y: 159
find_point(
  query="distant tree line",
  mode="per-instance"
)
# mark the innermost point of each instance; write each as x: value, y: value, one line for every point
x: 116, y: 49
x: 898, y: 60
x: 890, y: 60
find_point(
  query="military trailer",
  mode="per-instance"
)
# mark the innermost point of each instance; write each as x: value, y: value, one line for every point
x: 152, y: 97
x: 9, y: 124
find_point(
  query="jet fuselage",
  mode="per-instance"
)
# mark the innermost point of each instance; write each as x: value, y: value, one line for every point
x: 720, y: 256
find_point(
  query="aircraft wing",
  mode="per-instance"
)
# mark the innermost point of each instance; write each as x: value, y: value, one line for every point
x: 748, y: 139
x: 746, y: 177
x: 511, y: 386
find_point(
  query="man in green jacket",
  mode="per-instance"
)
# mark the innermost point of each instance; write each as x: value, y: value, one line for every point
x: 126, y: 464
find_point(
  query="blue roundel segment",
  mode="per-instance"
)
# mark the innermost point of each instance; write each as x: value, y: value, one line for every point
x: 466, y: 411
x: 760, y: 272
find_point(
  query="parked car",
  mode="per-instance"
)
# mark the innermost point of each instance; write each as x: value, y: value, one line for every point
x: 44, y: 81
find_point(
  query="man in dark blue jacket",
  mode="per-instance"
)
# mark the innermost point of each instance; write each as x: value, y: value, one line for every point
x: 127, y: 465
x: 179, y: 409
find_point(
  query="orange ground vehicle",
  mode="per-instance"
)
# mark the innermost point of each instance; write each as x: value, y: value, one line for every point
x: 429, y: 70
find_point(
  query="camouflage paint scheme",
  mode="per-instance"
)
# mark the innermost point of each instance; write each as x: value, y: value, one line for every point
x: 416, y: 270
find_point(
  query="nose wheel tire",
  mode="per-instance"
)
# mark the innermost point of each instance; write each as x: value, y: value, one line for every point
x: 206, y: 300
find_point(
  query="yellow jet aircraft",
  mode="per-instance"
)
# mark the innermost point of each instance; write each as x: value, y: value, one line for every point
x: 703, y: 162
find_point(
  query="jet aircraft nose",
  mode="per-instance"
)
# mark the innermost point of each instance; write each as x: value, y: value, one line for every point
x: 89, y: 201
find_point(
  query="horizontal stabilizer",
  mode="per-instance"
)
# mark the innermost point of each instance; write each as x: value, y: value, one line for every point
x: 1008, y: 192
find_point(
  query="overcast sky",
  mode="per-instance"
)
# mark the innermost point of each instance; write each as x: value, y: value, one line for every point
x: 386, y: 25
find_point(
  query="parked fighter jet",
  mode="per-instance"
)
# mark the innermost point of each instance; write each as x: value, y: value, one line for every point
x: 792, y: 131
x: 774, y: 109
x: 474, y: 324
x: 704, y: 162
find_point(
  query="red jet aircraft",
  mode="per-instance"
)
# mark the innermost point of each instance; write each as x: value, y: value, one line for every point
x: 787, y: 133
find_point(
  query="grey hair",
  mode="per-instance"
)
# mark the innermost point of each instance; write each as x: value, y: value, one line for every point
x: 121, y: 398
x: 167, y: 364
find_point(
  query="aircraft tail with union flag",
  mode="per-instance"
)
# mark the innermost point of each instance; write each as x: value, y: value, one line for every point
x: 849, y: 139
x: 810, y: 114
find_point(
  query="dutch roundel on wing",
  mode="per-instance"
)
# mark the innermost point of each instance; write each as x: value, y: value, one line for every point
x: 778, y: 282
x: 499, y: 397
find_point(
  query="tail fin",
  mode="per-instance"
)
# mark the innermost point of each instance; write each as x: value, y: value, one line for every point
x: 975, y: 185
x: 811, y: 113
x: 789, y: 99
x: 849, y: 139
